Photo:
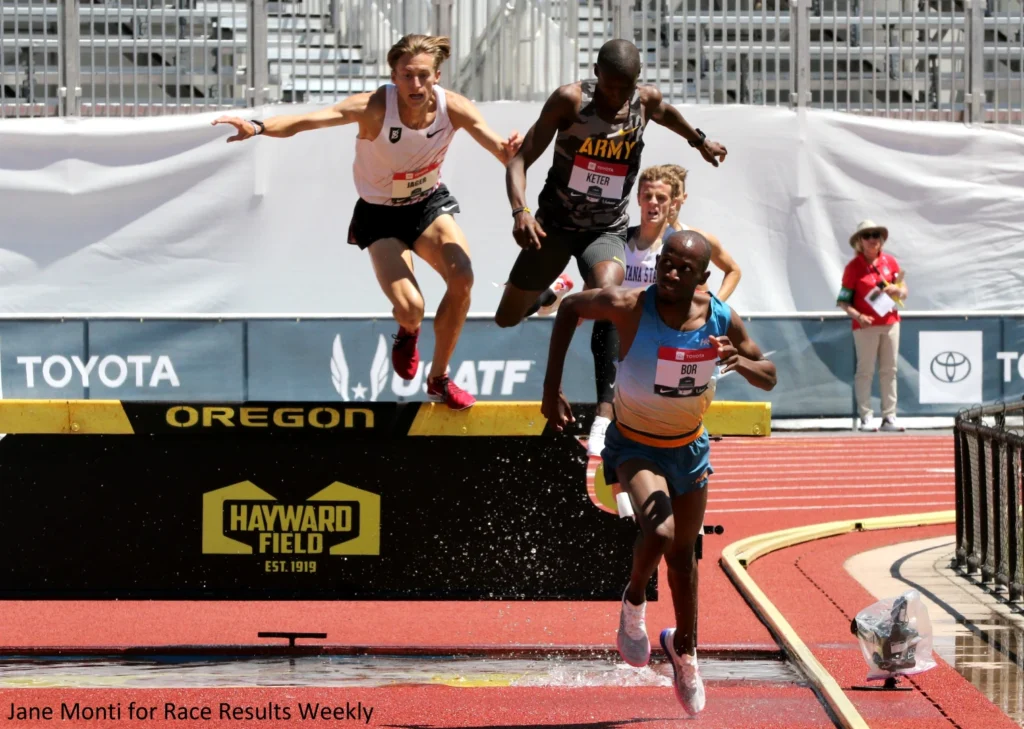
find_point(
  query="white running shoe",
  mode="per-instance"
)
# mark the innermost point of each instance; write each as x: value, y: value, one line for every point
x: 562, y: 285
x: 867, y: 424
x: 686, y: 680
x: 890, y: 425
x: 632, y: 641
x: 595, y: 443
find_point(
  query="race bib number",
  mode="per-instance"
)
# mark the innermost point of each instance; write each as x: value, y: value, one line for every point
x: 598, y: 179
x: 406, y: 186
x: 684, y: 372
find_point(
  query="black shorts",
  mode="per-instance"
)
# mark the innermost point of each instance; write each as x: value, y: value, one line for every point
x: 535, y: 270
x: 406, y: 222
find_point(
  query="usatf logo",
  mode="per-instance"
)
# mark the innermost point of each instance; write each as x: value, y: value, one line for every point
x: 245, y: 519
x: 477, y: 377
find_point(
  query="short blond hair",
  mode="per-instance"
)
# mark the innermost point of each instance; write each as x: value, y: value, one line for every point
x: 661, y: 173
x: 438, y: 46
x: 680, y: 173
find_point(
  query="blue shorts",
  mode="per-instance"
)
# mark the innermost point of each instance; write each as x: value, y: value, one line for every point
x: 686, y: 468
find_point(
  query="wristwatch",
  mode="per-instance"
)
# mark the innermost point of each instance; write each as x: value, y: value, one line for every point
x: 699, y: 143
x: 258, y: 126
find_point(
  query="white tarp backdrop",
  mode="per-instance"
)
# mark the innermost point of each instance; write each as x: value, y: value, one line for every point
x: 161, y: 216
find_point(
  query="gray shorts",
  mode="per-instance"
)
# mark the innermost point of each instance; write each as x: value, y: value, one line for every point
x: 535, y: 270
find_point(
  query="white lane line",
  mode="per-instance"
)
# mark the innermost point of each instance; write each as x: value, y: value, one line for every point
x: 826, y: 480
x: 715, y: 489
x: 714, y: 500
x: 945, y: 504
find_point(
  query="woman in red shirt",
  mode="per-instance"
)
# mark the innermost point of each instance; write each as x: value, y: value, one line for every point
x: 872, y: 290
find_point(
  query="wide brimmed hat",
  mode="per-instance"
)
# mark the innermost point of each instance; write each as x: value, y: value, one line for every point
x: 865, y: 226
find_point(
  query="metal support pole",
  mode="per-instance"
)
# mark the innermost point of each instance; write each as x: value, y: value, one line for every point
x: 622, y: 20
x: 257, y: 71
x: 974, y: 96
x: 335, y: 15
x: 443, y: 17
x: 70, y: 68
x: 800, y: 53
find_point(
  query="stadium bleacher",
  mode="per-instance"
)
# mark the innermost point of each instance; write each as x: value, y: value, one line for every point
x: 939, y: 59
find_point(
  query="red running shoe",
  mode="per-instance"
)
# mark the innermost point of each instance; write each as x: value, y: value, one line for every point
x: 441, y: 389
x: 405, y: 357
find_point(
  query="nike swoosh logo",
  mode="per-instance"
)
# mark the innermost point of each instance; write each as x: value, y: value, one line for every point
x: 436, y: 131
x: 446, y: 208
x: 766, y: 356
x: 622, y: 132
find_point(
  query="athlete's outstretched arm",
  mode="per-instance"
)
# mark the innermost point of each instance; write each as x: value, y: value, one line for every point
x: 613, y: 304
x: 737, y: 351
x: 465, y: 115
x: 725, y: 263
x: 350, y: 110
x: 560, y: 105
x: 668, y: 116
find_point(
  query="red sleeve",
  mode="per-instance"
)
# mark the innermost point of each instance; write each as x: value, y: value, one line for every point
x: 894, y: 265
x: 850, y: 276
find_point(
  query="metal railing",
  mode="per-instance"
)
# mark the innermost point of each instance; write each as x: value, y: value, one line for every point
x: 954, y: 60
x: 989, y: 527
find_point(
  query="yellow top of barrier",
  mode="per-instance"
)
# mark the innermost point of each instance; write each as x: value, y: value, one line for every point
x: 122, y: 417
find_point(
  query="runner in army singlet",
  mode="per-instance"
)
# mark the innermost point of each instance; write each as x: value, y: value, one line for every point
x: 598, y: 127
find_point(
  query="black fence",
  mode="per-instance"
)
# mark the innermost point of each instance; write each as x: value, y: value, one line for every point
x: 989, y: 539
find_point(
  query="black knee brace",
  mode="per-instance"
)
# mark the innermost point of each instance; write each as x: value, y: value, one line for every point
x: 604, y: 343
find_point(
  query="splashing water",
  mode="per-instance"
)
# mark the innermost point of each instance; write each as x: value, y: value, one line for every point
x: 367, y: 671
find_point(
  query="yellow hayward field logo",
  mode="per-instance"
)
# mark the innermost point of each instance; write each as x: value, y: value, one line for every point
x: 245, y: 519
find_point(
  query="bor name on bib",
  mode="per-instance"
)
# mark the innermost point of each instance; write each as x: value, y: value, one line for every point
x: 407, y: 186
x: 684, y: 372
x: 598, y: 179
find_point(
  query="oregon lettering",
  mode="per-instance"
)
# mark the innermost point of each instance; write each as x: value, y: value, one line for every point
x: 212, y: 416
x: 245, y: 519
x: 618, y: 149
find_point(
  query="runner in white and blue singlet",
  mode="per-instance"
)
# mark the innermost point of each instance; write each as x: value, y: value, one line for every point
x: 672, y: 338
x: 657, y: 190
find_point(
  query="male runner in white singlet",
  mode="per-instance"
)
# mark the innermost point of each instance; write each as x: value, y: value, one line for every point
x: 720, y: 257
x: 672, y: 338
x: 657, y: 191
x: 405, y: 128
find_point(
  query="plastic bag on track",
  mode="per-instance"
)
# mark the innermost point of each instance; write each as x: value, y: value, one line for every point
x: 895, y: 636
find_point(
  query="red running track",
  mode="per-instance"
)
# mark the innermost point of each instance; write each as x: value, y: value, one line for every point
x: 758, y: 486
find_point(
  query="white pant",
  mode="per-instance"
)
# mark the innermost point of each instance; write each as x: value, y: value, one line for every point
x: 881, y: 343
